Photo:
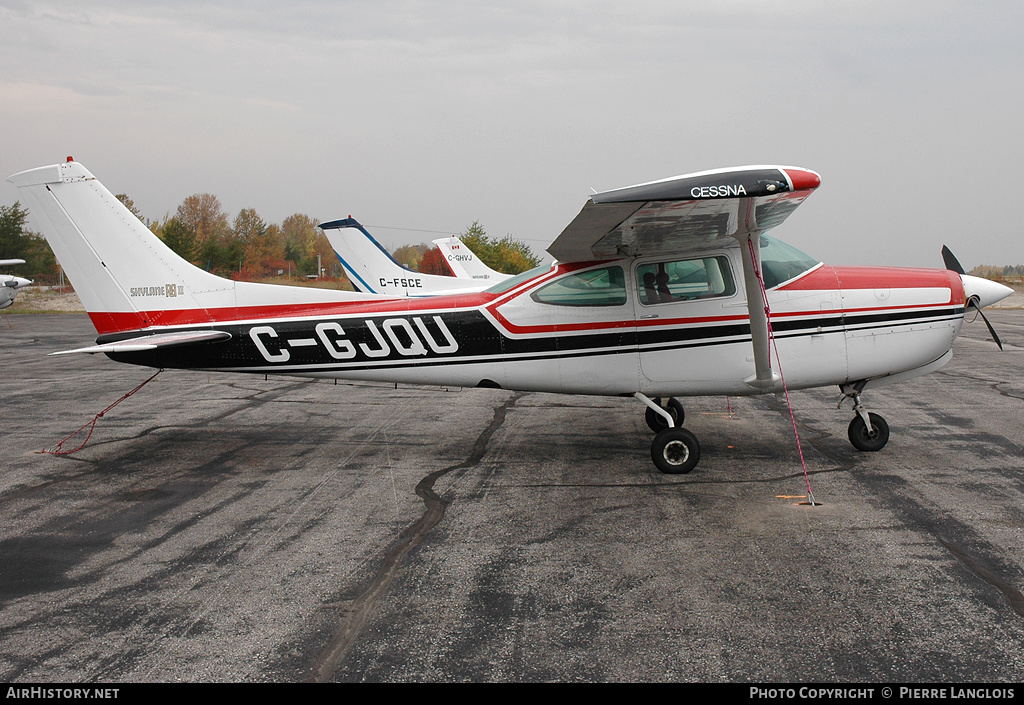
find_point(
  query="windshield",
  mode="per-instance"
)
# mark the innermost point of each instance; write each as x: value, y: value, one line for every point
x: 781, y: 262
x: 518, y: 279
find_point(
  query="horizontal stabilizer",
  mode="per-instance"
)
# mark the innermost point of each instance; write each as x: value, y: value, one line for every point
x: 152, y: 342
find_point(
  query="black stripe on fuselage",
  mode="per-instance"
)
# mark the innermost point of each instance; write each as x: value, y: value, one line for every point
x: 478, y: 341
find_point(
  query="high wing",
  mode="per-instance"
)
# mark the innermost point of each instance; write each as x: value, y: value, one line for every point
x: 678, y: 213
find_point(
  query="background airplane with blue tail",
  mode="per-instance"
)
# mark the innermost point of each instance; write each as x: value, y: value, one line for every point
x: 372, y: 269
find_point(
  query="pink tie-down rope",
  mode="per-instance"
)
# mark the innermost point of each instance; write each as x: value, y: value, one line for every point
x: 56, y: 449
x: 778, y: 361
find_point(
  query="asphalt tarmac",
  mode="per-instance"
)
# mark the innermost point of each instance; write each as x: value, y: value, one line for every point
x: 232, y: 528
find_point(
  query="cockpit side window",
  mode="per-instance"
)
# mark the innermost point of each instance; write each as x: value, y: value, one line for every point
x: 781, y: 262
x: 593, y: 287
x: 683, y: 280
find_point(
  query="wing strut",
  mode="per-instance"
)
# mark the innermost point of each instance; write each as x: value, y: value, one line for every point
x: 764, y: 377
x: 757, y: 308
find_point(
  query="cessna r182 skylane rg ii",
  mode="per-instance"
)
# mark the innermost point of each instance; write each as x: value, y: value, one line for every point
x: 665, y: 289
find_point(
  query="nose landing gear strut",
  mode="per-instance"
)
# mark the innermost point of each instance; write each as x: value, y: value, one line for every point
x: 867, y: 431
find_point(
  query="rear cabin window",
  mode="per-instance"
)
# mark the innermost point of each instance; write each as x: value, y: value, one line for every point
x: 594, y: 287
x: 684, y: 280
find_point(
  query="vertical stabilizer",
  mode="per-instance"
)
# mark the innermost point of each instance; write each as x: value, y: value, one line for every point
x: 465, y: 263
x: 372, y: 269
x: 126, y: 277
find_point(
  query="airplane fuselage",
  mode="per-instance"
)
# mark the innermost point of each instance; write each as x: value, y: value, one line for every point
x: 553, y: 333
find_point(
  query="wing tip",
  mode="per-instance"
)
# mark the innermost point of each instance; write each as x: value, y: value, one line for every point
x: 802, y: 179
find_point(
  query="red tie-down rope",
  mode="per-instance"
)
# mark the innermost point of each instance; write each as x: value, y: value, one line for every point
x: 57, y: 449
x: 778, y: 361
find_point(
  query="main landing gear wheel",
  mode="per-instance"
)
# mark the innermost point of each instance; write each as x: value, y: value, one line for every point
x: 657, y: 423
x: 862, y: 439
x: 675, y: 451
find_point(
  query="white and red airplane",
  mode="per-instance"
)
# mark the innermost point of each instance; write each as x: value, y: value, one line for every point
x: 661, y: 290
x: 10, y: 284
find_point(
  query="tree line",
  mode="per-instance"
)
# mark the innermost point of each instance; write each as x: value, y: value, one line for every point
x: 248, y: 248
x: 1009, y: 272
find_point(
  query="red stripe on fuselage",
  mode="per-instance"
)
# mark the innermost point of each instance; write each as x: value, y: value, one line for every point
x: 119, y: 322
x: 849, y: 278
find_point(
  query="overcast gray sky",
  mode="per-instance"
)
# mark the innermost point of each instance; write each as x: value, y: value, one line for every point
x: 430, y: 115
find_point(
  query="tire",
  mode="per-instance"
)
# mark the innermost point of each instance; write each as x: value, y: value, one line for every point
x: 656, y: 423
x: 675, y: 451
x: 862, y: 440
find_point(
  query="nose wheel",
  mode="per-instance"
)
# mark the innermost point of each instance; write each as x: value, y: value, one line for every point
x: 869, y: 439
x: 868, y: 431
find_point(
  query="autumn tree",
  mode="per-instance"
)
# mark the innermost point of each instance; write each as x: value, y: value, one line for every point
x: 180, y: 238
x: 262, y: 245
x: 410, y: 255
x: 507, y: 255
x: 433, y: 262
x: 988, y: 271
x: 203, y: 215
x: 130, y: 205
x: 328, y: 257
x: 300, y: 235
x: 16, y: 242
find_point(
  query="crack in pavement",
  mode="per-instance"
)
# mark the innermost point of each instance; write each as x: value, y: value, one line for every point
x: 358, y: 611
x: 923, y: 517
x: 255, y: 399
x: 994, y: 385
x: 1013, y: 595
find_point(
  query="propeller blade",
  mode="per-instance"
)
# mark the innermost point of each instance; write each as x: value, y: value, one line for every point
x: 951, y: 261
x: 991, y: 330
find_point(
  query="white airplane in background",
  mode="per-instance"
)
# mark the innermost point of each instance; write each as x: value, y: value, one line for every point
x: 660, y: 290
x: 465, y: 264
x: 372, y: 269
x: 10, y: 284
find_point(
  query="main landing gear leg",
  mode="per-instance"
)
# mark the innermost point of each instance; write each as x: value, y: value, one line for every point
x: 655, y: 414
x: 868, y: 432
x: 674, y: 449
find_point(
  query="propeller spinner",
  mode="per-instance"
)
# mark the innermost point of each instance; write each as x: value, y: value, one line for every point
x: 978, y: 291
